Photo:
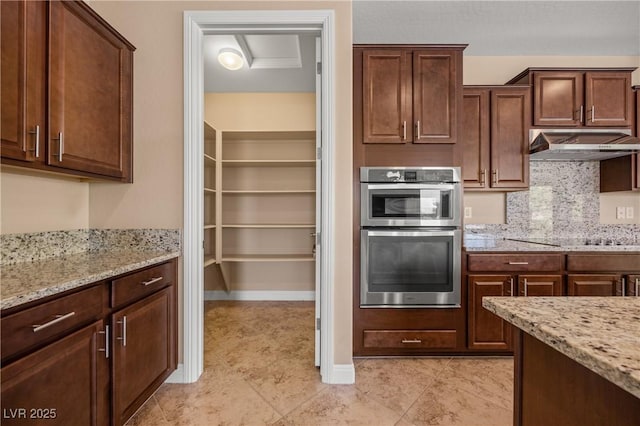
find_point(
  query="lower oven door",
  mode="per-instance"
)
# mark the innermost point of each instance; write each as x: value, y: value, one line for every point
x: 410, y: 268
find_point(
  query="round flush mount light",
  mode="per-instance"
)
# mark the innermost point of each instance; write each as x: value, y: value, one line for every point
x: 230, y: 58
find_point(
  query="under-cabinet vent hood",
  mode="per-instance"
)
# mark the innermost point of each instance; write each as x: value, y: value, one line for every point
x: 581, y: 144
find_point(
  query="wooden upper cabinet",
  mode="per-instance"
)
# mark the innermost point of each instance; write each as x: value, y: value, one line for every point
x: 496, y: 122
x: 475, y: 136
x: 386, y: 90
x: 609, y: 100
x: 436, y: 88
x: 411, y: 94
x: 558, y: 98
x: 90, y: 105
x: 66, y: 90
x: 580, y: 97
x: 23, y: 77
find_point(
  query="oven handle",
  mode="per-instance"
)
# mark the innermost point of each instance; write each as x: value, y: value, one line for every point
x: 413, y: 233
x: 397, y: 186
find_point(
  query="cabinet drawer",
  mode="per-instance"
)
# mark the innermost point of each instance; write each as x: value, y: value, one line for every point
x: 30, y: 328
x: 410, y: 339
x: 515, y: 262
x: 139, y: 284
x: 603, y: 262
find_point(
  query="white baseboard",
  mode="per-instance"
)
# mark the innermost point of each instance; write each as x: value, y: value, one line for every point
x: 260, y: 295
x: 341, y: 374
x: 177, y: 376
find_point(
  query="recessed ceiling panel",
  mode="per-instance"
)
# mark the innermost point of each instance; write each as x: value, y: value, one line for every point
x: 272, y: 51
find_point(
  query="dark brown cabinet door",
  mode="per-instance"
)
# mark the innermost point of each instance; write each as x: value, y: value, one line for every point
x: 143, y: 351
x: 23, y: 42
x: 510, y: 122
x: 435, y: 93
x: 609, y: 99
x: 475, y: 136
x: 540, y: 285
x: 65, y: 383
x: 90, y: 98
x: 485, y: 329
x: 558, y: 98
x: 632, y: 283
x: 386, y: 95
x: 593, y: 285
x: 620, y: 174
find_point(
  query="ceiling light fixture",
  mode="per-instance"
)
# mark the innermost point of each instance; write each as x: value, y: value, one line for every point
x: 230, y: 58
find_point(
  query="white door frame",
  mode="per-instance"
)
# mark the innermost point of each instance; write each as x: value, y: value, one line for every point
x: 196, y: 24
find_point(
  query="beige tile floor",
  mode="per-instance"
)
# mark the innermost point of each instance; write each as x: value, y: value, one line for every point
x: 259, y: 370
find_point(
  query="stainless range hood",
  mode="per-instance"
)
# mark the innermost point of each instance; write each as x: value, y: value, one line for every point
x: 581, y: 144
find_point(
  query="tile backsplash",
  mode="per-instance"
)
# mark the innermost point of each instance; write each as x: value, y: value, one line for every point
x: 563, y: 201
x: 16, y: 248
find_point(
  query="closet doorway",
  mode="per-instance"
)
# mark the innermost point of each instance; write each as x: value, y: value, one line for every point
x: 255, y: 210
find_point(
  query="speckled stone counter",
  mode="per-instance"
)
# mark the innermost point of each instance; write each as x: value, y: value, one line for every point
x: 474, y: 244
x: 27, y: 281
x: 600, y: 333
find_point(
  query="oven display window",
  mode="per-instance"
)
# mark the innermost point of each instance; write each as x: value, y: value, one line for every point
x: 429, y: 204
x: 417, y: 264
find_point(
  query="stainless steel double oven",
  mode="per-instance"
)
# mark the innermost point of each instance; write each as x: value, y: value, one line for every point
x: 411, y: 237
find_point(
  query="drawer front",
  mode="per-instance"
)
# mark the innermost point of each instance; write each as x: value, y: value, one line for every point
x: 139, y: 284
x: 26, y: 330
x: 603, y: 262
x: 442, y: 339
x: 515, y: 262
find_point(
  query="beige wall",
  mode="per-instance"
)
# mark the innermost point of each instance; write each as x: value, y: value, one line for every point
x: 155, y: 199
x: 487, y: 207
x: 261, y: 111
x: 610, y: 201
x: 37, y: 202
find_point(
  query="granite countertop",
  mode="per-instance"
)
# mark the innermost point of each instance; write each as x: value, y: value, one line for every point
x: 601, y: 333
x: 27, y: 281
x: 482, y: 244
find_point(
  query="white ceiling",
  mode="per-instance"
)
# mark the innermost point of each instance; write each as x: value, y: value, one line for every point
x: 490, y: 28
x: 281, y: 63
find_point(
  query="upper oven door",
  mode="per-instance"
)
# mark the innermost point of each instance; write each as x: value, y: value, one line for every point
x: 410, y: 204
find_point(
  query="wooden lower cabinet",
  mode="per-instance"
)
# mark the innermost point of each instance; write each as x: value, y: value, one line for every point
x: 64, y: 383
x: 486, y: 331
x: 142, y: 359
x: 632, y: 283
x: 594, y: 285
x: 91, y: 362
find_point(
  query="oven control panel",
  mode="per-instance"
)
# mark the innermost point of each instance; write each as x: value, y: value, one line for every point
x: 405, y: 174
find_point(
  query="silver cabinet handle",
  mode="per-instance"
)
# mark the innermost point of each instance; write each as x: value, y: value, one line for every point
x: 60, y: 140
x: 124, y: 331
x: 511, y: 286
x: 582, y: 113
x: 404, y: 130
x: 637, y: 287
x: 495, y: 176
x: 525, y: 286
x: 106, y: 341
x: 624, y: 286
x: 483, y: 177
x: 411, y: 341
x: 36, y: 148
x: 518, y: 263
x: 151, y: 281
x: 593, y: 113
x: 417, y: 129
x: 57, y: 319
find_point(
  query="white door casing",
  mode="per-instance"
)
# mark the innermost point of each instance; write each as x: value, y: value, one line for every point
x: 196, y: 25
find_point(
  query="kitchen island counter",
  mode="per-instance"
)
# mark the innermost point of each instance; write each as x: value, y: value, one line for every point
x: 565, y: 346
x: 25, y: 282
